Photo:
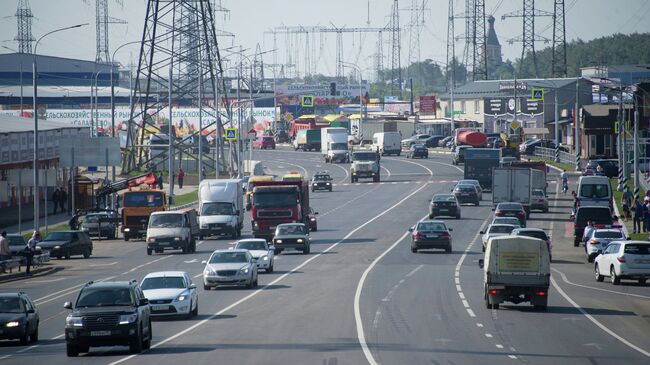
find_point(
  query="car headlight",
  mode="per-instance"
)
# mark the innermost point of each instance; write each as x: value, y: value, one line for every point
x: 278, y: 241
x: 244, y: 270
x: 312, y: 219
x: 300, y: 240
x: 127, y: 229
x: 265, y: 258
x: 38, y: 247
x: 12, y: 324
x: 181, y: 297
x: 328, y: 184
x: 208, y: 271
x: 151, y: 239
x: 57, y: 247
x: 72, y: 321
x: 128, y: 318
x: 314, y: 184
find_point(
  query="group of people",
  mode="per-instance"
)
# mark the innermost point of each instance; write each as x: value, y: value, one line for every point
x: 59, y: 198
x: 28, y: 251
x: 641, y: 216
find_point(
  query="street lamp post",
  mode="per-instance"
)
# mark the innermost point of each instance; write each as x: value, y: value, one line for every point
x: 35, y: 111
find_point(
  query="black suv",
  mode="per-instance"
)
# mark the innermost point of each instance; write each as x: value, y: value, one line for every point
x: 321, y: 181
x: 108, y: 314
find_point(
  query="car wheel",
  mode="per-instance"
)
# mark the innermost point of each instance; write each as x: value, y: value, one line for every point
x: 86, y: 254
x: 195, y: 311
x: 126, y: 238
x: 251, y: 284
x: 612, y: 275
x: 458, y: 216
x: 598, y: 276
x: 306, y: 250
x: 590, y: 258
x: 34, y: 336
x: 414, y: 250
x: 495, y: 306
x: 482, y: 248
x: 24, y: 339
x: 71, y: 350
x: 431, y: 216
x: 277, y: 251
x: 448, y: 249
x: 206, y: 287
x: 642, y: 281
x: 135, y: 347
x: 67, y: 254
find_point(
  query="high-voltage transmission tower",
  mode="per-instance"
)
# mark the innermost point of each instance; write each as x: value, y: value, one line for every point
x: 559, y: 40
x: 451, y: 47
x: 179, y: 60
x: 528, y: 37
x: 479, y: 41
x: 102, y: 20
x: 24, y: 18
x: 415, y: 29
x: 395, y: 50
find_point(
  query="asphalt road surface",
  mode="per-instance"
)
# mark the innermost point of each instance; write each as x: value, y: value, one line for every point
x: 361, y: 296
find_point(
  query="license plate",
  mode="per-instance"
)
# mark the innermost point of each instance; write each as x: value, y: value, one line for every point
x: 444, y: 210
x: 159, y: 307
x: 464, y: 194
x: 100, y: 333
x: 432, y: 236
x: 216, y: 228
x: 163, y: 243
x: 510, y: 214
x: 272, y: 227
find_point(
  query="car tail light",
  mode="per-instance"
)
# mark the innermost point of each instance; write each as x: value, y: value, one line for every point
x: 493, y: 291
x: 521, y: 214
x: 444, y: 234
x: 594, y: 242
x: 498, y: 213
x: 621, y: 259
x: 417, y: 235
x: 541, y: 293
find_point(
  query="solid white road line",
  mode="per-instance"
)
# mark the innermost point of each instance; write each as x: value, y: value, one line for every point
x: 564, y: 278
x: 280, y: 278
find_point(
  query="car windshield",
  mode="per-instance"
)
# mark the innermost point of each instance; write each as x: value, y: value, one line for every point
x: 163, y: 282
x: 95, y: 218
x: 510, y: 206
x: 444, y: 198
x: 466, y: 187
x: 11, y: 305
x: 291, y: 230
x: 267, y: 139
x: 252, y: 245
x: 538, y: 193
x: 535, y: 234
x: 16, y: 240
x: 274, y: 199
x: 608, y: 234
x: 217, y: 208
x: 59, y: 236
x: 165, y: 221
x: 431, y: 226
x: 105, y: 297
x: 598, y: 215
x: 228, y: 257
x: 501, y: 229
x: 637, y: 249
x: 339, y: 146
x: 468, y: 182
x: 364, y: 156
x: 594, y: 190
x: 143, y: 199
x: 418, y: 147
x: 322, y: 178
x: 506, y: 220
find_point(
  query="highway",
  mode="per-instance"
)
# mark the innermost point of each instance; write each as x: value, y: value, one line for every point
x: 361, y: 296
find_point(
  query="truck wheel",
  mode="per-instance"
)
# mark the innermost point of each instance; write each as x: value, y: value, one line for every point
x: 576, y: 243
x: 448, y: 249
x: 414, y: 250
x: 495, y: 306
x: 126, y: 237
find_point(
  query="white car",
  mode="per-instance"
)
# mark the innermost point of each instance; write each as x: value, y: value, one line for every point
x: 171, y: 293
x: 230, y: 268
x: 624, y: 260
x: 261, y: 251
x: 507, y: 220
x: 495, y: 230
x: 600, y: 238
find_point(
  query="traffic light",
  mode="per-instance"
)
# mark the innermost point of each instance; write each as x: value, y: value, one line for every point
x: 333, y: 88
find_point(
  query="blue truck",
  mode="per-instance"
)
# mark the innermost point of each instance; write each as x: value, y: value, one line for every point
x: 479, y: 163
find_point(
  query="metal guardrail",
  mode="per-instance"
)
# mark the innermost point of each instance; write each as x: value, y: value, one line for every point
x: 549, y: 154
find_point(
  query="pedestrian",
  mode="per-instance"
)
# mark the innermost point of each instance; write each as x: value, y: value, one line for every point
x: 63, y: 198
x: 181, y: 176
x: 588, y: 230
x: 159, y: 180
x: 30, y: 249
x: 5, y: 252
x: 55, y: 199
x: 637, y: 207
x: 625, y: 204
x: 646, y: 214
x: 73, y: 223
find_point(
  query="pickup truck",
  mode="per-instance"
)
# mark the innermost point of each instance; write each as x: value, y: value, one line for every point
x: 516, y: 269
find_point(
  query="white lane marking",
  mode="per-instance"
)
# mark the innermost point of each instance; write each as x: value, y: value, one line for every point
x: 488, y: 335
x: 471, y: 312
x: 465, y: 303
x: 414, y: 271
x: 375, y: 321
x: 146, y: 263
x: 414, y: 163
x: 109, y: 264
x: 512, y: 357
x: 347, y: 174
x: 296, y: 165
x: 462, y: 296
x: 596, y: 322
x: 59, y: 336
x: 282, y: 277
x: 27, y: 349
x: 457, y: 280
x: 191, y: 261
x: 499, y: 346
x: 5, y: 357
x: 47, y: 281
x: 50, y: 297
x: 480, y: 325
x: 387, y: 171
x: 564, y: 278
x: 349, y: 202
x: 196, y: 276
x: 458, y: 288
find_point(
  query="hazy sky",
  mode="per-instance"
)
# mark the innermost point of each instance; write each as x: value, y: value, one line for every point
x: 250, y: 19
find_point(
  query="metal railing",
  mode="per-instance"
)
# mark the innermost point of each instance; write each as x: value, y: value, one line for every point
x: 549, y: 154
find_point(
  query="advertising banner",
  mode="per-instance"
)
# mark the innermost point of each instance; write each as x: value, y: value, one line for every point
x: 343, y: 93
x: 427, y: 104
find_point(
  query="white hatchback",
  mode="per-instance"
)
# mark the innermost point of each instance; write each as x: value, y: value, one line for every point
x: 624, y: 260
x: 260, y: 250
x: 171, y: 293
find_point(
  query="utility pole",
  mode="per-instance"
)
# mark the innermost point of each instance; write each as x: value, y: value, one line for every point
x: 559, y: 40
x: 200, y: 64
x: 577, y: 125
x: 636, y: 150
x: 557, y: 128
x: 411, y: 93
x: 451, y: 62
x: 170, y: 149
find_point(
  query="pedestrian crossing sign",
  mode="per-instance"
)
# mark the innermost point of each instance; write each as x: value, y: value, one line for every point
x: 538, y: 94
x: 307, y: 101
x: 231, y: 134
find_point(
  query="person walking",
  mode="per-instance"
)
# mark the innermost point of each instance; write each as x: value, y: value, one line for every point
x: 625, y: 203
x: 73, y: 223
x: 638, y: 215
x: 30, y: 249
x: 646, y: 214
x: 181, y: 176
x: 55, y: 199
x: 5, y: 252
x: 159, y: 180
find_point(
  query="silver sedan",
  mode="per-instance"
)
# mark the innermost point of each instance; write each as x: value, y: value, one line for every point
x: 230, y: 268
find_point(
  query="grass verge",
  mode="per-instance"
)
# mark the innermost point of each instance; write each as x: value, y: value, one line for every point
x: 185, y: 198
x: 56, y: 228
x: 559, y: 165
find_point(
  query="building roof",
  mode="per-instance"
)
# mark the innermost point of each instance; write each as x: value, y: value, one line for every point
x: 50, y: 91
x: 11, y: 124
x: 11, y: 62
x: 491, y: 88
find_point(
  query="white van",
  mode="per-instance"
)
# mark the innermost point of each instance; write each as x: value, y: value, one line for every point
x: 387, y: 142
x: 594, y: 191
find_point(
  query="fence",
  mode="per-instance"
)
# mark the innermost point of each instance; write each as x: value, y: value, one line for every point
x: 549, y: 154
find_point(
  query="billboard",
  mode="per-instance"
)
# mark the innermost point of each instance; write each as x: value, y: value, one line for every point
x: 344, y: 93
x: 427, y: 104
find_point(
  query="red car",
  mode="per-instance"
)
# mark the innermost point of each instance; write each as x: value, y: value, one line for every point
x: 264, y: 142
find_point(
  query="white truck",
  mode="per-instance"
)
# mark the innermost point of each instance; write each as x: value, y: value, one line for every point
x: 158, y: 150
x: 516, y: 269
x: 172, y: 230
x: 387, y: 143
x: 221, y: 207
x: 334, y: 144
x: 363, y: 131
x: 512, y: 185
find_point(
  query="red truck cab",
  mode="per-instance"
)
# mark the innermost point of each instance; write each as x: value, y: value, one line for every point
x: 277, y: 202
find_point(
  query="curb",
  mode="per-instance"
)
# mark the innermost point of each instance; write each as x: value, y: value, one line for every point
x: 41, y: 271
x: 184, y: 205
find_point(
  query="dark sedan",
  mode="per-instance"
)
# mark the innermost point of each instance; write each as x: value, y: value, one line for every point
x: 444, y: 205
x: 67, y: 243
x: 18, y: 318
x: 511, y: 210
x: 466, y: 193
x: 417, y: 150
x: 430, y: 234
x: 432, y: 141
x: 610, y: 167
